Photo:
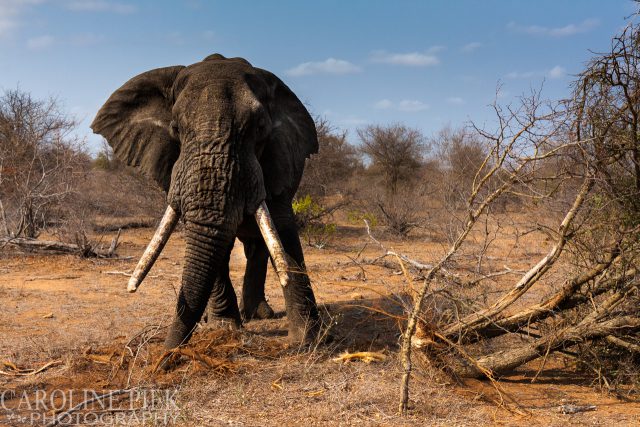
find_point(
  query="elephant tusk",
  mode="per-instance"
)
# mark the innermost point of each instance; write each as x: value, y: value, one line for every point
x: 167, y: 224
x: 284, y: 265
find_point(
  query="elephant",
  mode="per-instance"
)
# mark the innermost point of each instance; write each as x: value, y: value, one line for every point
x: 227, y: 142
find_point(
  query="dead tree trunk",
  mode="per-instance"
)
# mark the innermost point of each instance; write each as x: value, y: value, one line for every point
x: 563, y: 300
x: 50, y: 246
x: 504, y: 361
x: 485, y: 318
x: 3, y: 218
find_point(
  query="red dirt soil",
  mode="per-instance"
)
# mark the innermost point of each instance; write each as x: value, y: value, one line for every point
x: 77, y: 311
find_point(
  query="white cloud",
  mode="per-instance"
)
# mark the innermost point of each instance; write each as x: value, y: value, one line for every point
x: 412, y: 105
x: 455, y: 100
x: 557, y: 72
x: 42, y: 42
x: 100, y: 6
x: 79, y: 40
x: 470, y: 47
x: 407, y: 105
x: 328, y: 66
x: 10, y: 11
x: 567, y: 30
x: 521, y: 74
x: 411, y: 59
x: 383, y: 104
x: 436, y: 49
x: 6, y: 25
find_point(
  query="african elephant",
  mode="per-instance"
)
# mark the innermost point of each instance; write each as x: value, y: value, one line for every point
x: 227, y: 142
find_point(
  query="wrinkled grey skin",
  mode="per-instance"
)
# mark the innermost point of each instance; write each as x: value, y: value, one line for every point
x: 219, y: 136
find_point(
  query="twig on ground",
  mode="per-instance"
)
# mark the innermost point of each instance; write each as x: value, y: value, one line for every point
x: 62, y: 277
x: 365, y: 356
x: 15, y: 371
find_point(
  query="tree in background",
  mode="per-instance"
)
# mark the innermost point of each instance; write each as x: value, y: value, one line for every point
x: 39, y: 161
x: 330, y: 171
x: 392, y: 187
x: 459, y: 154
x: 396, y: 150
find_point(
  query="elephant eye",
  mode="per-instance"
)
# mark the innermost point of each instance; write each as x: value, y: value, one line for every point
x: 173, y: 129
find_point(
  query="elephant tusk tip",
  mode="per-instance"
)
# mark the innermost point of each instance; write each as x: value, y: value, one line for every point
x: 133, y: 284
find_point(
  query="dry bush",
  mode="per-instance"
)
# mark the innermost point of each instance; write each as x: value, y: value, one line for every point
x: 40, y: 163
x: 119, y: 199
x: 331, y: 170
x: 401, y: 212
x: 327, y: 185
x: 49, y: 183
x: 459, y: 154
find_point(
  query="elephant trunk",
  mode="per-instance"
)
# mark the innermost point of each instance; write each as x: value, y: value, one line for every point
x: 206, y: 248
x: 166, y: 227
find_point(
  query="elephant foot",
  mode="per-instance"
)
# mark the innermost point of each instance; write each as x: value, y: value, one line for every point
x: 309, y: 334
x: 219, y: 322
x: 260, y: 311
x: 216, y: 317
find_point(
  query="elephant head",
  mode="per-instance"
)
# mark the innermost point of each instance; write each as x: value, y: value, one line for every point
x: 219, y: 136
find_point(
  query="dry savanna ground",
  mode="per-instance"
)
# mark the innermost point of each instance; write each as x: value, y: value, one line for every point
x: 76, y: 313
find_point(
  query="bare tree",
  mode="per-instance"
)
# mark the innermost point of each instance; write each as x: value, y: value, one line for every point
x: 529, y: 126
x: 607, y: 102
x: 38, y: 162
x: 396, y: 151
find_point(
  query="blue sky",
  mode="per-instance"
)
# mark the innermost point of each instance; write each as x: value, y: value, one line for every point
x: 424, y: 63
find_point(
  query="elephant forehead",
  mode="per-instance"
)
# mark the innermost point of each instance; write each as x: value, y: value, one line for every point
x: 208, y: 71
x: 233, y: 94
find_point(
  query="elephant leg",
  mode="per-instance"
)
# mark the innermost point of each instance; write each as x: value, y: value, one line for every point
x: 302, y: 311
x: 254, y: 304
x: 223, y: 303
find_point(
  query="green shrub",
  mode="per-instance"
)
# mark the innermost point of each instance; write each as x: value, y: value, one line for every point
x: 319, y: 235
x: 309, y: 217
x: 356, y: 217
x: 306, y: 210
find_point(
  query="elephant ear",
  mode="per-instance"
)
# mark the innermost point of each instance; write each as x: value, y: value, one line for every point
x: 292, y: 140
x: 136, y: 122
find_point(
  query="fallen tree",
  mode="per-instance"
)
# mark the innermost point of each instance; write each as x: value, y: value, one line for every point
x: 580, y: 160
x: 83, y: 248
